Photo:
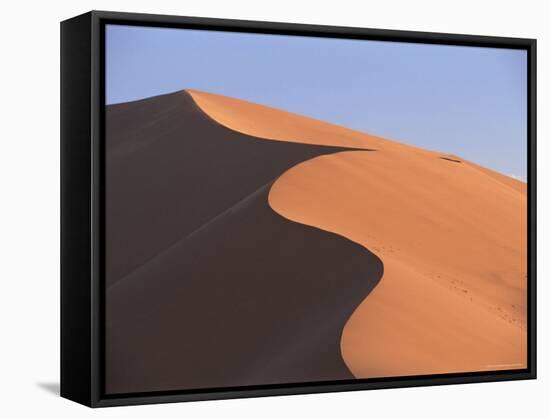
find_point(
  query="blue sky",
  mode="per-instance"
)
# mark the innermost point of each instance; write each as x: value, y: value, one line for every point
x: 468, y: 101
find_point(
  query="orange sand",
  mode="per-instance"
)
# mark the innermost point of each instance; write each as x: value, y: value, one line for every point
x: 452, y: 237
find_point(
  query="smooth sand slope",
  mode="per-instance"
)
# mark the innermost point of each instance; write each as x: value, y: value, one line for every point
x: 451, y: 235
x: 207, y: 285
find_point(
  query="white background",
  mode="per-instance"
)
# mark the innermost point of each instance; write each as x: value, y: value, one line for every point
x: 29, y: 206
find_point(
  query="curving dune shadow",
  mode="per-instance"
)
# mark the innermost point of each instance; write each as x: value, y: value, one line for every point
x: 206, y: 285
x: 250, y: 298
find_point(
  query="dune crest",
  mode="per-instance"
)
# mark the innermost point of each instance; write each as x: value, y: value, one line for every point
x: 279, y: 125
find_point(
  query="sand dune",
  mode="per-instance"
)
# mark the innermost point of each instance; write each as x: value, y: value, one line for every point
x: 451, y: 234
x: 245, y: 245
x: 207, y: 285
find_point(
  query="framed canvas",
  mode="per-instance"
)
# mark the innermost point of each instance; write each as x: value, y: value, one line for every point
x: 254, y: 209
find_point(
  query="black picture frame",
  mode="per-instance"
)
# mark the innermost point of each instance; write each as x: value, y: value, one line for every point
x: 83, y: 190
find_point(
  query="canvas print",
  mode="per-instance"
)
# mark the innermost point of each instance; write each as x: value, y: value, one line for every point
x: 290, y: 209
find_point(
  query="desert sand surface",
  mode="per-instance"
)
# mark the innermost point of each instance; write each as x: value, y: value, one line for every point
x: 451, y: 235
x: 207, y: 286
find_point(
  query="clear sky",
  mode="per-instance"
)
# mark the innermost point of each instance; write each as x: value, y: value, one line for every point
x: 467, y: 101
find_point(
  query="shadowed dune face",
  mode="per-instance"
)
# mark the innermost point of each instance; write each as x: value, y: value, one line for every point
x: 248, y: 299
x: 206, y: 285
x: 451, y: 234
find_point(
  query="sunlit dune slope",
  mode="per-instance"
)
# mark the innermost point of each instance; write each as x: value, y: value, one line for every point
x: 451, y: 235
x: 452, y: 241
